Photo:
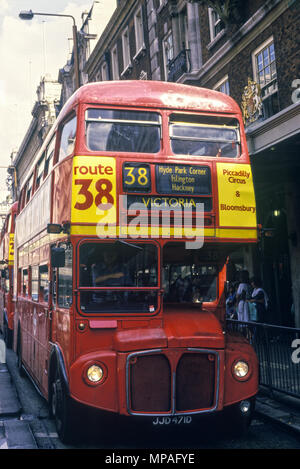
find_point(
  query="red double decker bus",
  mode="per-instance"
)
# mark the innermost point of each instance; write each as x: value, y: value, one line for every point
x: 6, y: 273
x: 126, y: 221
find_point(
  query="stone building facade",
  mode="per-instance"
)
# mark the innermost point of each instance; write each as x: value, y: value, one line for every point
x: 44, y: 113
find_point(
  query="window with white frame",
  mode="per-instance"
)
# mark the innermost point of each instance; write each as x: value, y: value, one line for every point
x: 126, y: 49
x: 168, y: 52
x: 139, y: 30
x: 114, y: 63
x: 104, y: 71
x: 223, y: 85
x: 216, y: 25
x: 264, y: 68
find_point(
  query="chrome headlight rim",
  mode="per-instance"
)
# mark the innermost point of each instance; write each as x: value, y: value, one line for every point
x: 241, y: 362
x: 102, y: 371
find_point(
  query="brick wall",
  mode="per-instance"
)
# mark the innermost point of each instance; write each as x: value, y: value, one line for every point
x: 285, y: 31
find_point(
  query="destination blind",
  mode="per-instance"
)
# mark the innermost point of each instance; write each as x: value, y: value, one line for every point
x: 183, y: 179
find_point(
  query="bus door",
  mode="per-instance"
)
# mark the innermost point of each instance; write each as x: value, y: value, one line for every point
x: 39, y: 310
x: 62, y: 293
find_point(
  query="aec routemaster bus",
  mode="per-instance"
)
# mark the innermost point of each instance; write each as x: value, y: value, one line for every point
x: 6, y: 275
x: 126, y: 220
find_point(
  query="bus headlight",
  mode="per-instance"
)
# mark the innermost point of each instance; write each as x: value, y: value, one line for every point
x: 95, y: 373
x: 240, y: 369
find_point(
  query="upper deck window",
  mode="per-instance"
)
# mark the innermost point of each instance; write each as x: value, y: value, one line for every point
x: 67, y: 141
x: 120, y: 130
x: 204, y: 136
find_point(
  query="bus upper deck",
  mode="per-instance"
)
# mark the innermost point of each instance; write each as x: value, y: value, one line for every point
x: 163, y: 147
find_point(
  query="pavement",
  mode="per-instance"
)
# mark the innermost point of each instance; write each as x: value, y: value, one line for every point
x: 16, y: 433
x: 279, y: 409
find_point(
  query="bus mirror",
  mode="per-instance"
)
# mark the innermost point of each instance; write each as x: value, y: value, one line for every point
x: 54, y: 228
x: 58, y: 257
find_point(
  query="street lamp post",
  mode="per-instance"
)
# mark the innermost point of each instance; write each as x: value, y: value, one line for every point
x: 28, y: 15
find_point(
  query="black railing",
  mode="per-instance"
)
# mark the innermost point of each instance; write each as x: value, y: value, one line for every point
x: 278, y: 352
x: 179, y: 65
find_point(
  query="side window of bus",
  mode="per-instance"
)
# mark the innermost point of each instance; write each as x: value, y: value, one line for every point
x: 25, y: 282
x: 35, y: 282
x: 43, y: 283
x: 64, y: 279
x: 67, y: 140
x: 4, y: 280
x: 49, y: 155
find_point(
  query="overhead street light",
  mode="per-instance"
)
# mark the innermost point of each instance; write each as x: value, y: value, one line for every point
x: 29, y: 14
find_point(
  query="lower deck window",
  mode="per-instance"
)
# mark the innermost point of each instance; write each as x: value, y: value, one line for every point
x: 187, y: 278
x: 118, y: 277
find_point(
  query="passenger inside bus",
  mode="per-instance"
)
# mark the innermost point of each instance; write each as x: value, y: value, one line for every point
x: 187, y: 278
x: 111, y: 271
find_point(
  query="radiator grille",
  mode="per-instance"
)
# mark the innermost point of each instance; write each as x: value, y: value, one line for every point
x: 150, y: 383
x: 187, y: 383
x: 195, y: 382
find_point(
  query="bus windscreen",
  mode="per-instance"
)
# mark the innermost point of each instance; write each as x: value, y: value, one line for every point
x: 122, y: 130
x: 189, y: 137
x: 131, y: 267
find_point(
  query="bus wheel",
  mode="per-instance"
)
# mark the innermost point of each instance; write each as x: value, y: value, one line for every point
x: 61, y: 409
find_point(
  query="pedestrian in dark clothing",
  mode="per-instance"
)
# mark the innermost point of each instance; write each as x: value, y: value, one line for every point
x: 259, y: 298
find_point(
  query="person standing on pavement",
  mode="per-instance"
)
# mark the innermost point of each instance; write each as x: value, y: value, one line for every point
x: 259, y: 298
x: 244, y: 285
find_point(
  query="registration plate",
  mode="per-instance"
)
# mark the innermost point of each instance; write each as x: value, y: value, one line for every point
x: 176, y: 420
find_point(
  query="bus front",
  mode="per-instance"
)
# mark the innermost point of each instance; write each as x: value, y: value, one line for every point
x: 160, y: 198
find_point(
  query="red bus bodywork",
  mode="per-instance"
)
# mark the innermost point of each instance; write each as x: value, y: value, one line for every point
x: 174, y: 359
x: 7, y: 267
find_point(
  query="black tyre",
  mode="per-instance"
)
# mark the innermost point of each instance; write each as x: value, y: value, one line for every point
x: 61, y: 408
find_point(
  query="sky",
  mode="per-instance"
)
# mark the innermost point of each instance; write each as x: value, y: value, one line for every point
x: 28, y: 51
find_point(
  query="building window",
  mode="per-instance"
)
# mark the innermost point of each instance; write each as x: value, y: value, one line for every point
x: 223, y: 86
x: 126, y: 49
x: 216, y: 25
x: 265, y: 75
x: 139, y: 31
x: 168, y: 52
x: 115, y: 63
x: 29, y: 189
x: 104, y: 72
x: 49, y: 156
